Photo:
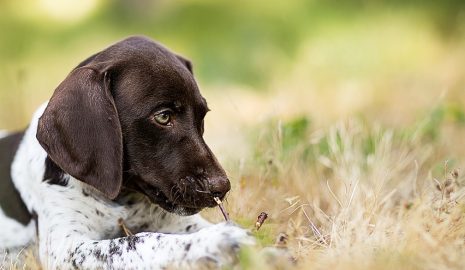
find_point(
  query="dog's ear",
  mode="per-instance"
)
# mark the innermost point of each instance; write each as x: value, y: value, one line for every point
x: 81, y: 132
x: 186, y: 63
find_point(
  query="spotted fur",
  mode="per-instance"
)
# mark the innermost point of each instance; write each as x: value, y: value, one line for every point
x: 78, y: 226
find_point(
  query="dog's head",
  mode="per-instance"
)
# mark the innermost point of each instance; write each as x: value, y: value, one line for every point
x: 132, y: 115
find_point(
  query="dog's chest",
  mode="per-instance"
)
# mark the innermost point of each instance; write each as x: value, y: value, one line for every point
x: 95, y: 215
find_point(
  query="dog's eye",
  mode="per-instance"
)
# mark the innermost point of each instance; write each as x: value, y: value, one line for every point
x: 163, y: 118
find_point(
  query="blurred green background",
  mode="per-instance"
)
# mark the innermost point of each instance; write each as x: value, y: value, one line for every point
x: 328, y: 54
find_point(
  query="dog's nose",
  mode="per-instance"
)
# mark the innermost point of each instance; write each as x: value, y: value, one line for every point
x: 219, y: 186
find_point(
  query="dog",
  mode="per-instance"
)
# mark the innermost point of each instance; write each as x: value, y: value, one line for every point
x: 119, y: 142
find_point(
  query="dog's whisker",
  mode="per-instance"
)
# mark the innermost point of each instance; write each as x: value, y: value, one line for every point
x: 171, y: 191
x: 200, y: 182
x: 203, y: 191
x: 177, y: 194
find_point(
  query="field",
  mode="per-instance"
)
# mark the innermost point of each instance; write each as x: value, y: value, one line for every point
x: 354, y: 193
x: 351, y: 136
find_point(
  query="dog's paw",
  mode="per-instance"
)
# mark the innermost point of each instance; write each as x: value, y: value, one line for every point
x: 218, y: 245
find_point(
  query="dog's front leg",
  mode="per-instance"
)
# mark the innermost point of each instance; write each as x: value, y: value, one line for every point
x: 217, y: 244
x: 160, y: 220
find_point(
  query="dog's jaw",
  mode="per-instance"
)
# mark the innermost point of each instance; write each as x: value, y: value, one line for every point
x: 156, y: 196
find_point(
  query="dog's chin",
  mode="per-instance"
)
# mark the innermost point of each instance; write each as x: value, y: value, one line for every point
x: 157, y: 196
x: 171, y: 207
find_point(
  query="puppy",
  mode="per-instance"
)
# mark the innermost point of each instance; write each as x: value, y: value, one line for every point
x: 121, y: 139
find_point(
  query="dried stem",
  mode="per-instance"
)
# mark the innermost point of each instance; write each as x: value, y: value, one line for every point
x: 220, y: 204
x: 124, y: 228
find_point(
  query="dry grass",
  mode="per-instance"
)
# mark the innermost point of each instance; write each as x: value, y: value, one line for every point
x: 24, y: 259
x: 362, y: 193
x: 357, y: 197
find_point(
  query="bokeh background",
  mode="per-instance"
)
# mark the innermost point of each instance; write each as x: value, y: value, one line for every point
x: 387, y: 61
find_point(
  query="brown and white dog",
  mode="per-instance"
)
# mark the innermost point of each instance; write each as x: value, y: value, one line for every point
x: 121, y: 138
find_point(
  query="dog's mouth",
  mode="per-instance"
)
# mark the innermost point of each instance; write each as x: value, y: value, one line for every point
x: 157, y: 196
x: 185, y: 199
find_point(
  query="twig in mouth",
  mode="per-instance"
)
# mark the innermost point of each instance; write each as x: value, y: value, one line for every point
x: 220, y: 204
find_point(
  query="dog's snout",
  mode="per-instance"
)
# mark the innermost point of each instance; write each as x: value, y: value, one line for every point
x: 219, y: 186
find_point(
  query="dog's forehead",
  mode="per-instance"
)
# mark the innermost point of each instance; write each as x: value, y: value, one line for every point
x: 162, y: 82
x: 152, y: 75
